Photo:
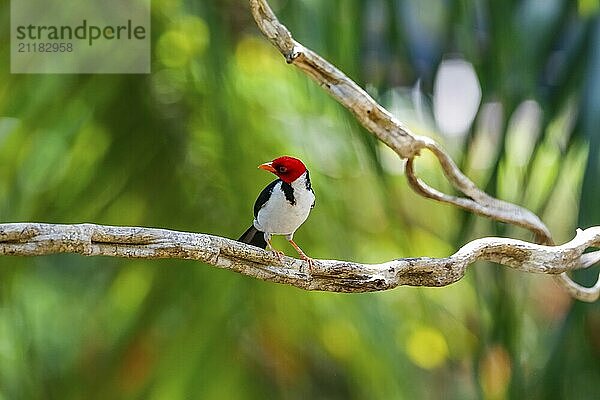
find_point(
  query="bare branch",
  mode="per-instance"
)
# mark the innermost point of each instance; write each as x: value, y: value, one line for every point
x: 399, y: 138
x: 35, y: 239
x: 389, y: 130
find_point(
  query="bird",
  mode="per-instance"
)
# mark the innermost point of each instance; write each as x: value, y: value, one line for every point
x: 282, y: 206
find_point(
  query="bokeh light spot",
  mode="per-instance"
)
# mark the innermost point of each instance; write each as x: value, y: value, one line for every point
x: 340, y: 338
x: 456, y: 96
x: 587, y: 8
x: 186, y: 39
x: 427, y: 347
x: 494, y: 372
x: 256, y: 57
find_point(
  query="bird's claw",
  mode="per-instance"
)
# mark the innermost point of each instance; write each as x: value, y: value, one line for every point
x: 277, y: 254
x: 309, y: 261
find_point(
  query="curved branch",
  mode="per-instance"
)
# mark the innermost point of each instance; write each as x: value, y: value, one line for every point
x: 32, y: 239
x: 378, y: 121
x: 389, y: 130
x: 478, y: 201
x: 36, y: 239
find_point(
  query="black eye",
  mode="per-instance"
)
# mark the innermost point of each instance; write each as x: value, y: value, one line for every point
x: 282, y: 169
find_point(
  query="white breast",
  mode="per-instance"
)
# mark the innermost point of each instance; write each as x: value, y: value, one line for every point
x: 278, y: 216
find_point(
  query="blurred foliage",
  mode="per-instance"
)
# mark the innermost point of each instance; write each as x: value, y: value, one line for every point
x: 178, y: 149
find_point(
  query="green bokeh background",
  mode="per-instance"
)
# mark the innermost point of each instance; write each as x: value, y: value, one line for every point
x: 178, y: 149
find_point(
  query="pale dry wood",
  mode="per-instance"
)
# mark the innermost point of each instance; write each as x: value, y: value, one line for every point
x: 389, y: 130
x: 36, y: 239
x: 405, y: 143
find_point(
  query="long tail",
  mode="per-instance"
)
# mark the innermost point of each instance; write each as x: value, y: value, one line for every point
x: 254, y: 237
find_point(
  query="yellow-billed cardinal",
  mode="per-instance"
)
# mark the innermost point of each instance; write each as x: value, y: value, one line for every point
x: 282, y: 206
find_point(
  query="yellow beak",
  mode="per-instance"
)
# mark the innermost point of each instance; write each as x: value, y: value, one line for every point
x: 267, y: 167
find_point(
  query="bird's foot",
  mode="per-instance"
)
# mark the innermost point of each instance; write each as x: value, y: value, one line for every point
x: 277, y: 254
x: 310, y: 262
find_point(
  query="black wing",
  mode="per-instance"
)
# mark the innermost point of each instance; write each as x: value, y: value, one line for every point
x: 264, y: 196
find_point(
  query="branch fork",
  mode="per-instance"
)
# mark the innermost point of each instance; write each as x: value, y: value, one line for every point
x: 379, y: 122
x: 35, y: 239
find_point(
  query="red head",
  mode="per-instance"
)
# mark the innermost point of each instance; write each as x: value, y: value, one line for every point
x: 288, y: 169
